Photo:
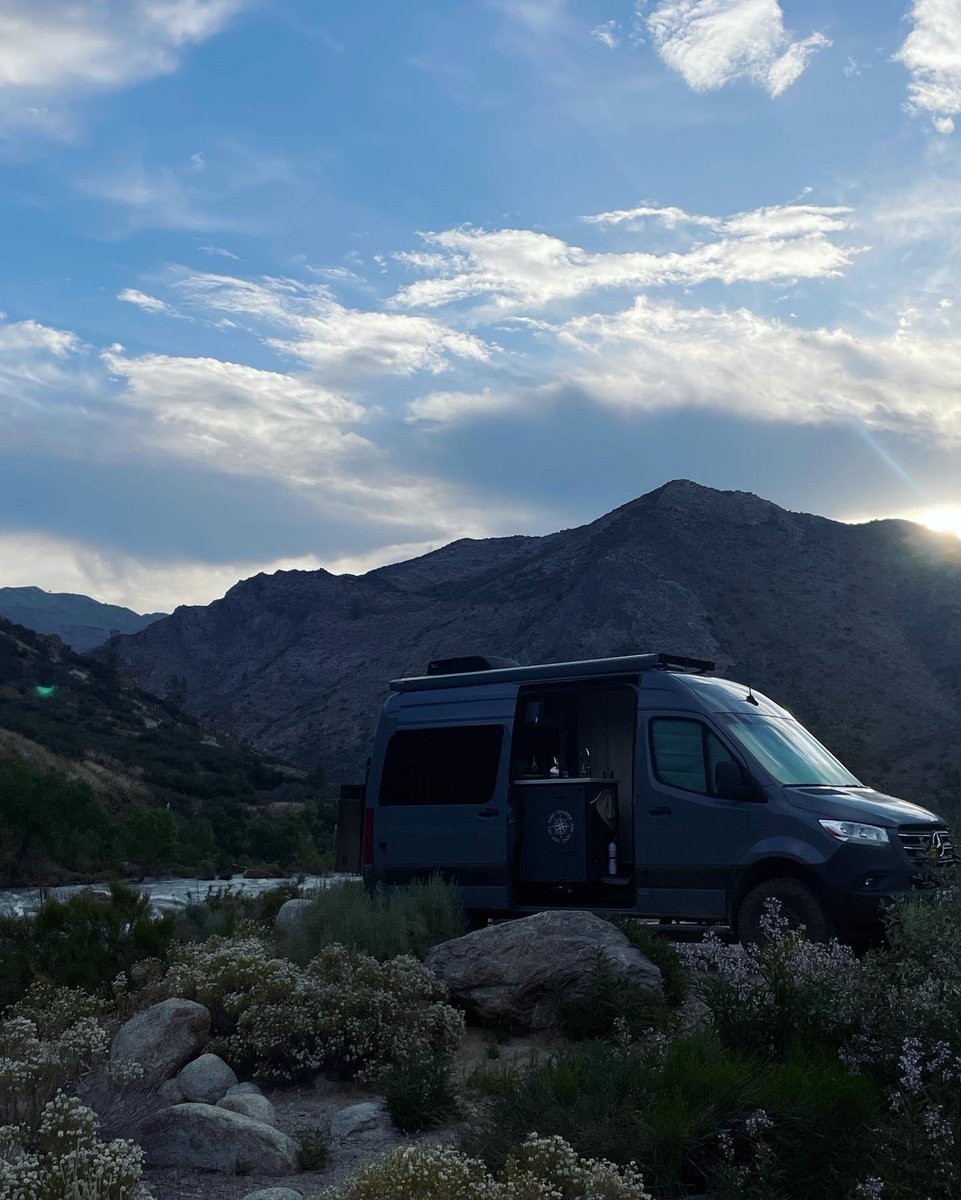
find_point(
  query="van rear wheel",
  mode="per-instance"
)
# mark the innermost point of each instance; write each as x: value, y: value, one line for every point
x: 800, y: 906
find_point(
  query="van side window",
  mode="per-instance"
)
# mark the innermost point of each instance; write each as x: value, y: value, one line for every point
x: 449, y: 765
x: 685, y: 753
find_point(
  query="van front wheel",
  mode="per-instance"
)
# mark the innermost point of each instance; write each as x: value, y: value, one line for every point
x: 799, y: 906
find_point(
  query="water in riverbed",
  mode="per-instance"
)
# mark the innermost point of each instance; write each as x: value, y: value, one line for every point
x: 166, y: 895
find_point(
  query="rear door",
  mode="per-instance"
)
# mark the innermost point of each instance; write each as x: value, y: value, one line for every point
x: 691, y: 839
x: 441, y: 807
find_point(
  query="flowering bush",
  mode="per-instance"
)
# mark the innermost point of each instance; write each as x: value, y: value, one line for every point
x: 545, y: 1168
x: 344, y: 1012
x: 32, y: 1067
x: 540, y: 1169
x: 66, y: 1160
x: 791, y: 994
x: 784, y: 993
x: 222, y: 973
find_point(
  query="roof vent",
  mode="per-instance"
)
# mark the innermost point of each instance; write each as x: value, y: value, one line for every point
x: 468, y: 663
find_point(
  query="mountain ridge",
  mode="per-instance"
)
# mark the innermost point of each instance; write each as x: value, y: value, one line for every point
x: 76, y: 619
x: 855, y: 627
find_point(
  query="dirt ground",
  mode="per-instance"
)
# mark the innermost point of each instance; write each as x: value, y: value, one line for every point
x: 306, y: 1109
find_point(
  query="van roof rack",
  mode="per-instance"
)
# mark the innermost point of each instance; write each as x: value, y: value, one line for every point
x: 630, y: 664
x: 468, y: 663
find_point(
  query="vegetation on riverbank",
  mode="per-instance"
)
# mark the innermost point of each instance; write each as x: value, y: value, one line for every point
x: 97, y: 777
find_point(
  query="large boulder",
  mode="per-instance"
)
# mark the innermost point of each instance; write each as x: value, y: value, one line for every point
x: 206, y: 1079
x: 290, y: 917
x: 216, y: 1139
x: 512, y: 973
x: 162, y: 1038
x: 258, y: 1108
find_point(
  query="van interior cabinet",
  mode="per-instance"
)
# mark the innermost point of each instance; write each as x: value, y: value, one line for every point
x: 566, y: 828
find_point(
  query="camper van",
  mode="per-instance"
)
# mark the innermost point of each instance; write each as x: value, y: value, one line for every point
x: 640, y: 784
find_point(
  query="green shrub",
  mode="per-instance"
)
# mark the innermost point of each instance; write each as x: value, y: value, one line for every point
x: 402, y: 920
x: 611, y: 1005
x: 675, y: 1109
x: 222, y: 911
x: 540, y: 1169
x: 675, y: 977
x: 84, y: 942
x: 314, y: 1149
x: 420, y: 1093
x: 88, y: 940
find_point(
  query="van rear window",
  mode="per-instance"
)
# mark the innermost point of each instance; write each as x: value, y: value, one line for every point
x: 452, y: 765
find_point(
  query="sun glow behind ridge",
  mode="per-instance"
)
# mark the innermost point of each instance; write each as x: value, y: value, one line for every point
x: 942, y: 520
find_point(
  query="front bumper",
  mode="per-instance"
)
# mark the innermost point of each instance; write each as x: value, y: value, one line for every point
x: 860, y: 881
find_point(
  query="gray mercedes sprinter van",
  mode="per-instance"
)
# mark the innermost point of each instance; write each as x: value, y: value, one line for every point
x: 641, y: 784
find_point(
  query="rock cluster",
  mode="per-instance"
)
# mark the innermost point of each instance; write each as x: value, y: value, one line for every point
x: 208, y: 1119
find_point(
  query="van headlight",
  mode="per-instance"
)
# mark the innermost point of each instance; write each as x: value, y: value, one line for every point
x: 853, y: 831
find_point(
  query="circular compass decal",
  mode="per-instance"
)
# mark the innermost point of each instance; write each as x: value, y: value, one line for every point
x: 560, y: 826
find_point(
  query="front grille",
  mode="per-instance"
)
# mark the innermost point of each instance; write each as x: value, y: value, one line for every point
x: 928, y: 846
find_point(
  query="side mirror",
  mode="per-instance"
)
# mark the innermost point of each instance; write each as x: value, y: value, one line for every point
x: 730, y: 782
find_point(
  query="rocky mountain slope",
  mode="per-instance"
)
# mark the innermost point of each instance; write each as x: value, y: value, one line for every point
x: 77, y: 620
x: 94, y: 772
x: 856, y: 628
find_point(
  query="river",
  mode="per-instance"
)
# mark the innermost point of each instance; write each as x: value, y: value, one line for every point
x: 166, y: 894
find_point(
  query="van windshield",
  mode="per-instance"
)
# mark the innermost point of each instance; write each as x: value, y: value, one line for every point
x: 792, y: 755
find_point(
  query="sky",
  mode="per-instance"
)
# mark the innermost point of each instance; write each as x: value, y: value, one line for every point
x: 287, y: 284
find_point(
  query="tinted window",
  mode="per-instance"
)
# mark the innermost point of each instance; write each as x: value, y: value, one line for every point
x: 454, y: 765
x: 685, y: 754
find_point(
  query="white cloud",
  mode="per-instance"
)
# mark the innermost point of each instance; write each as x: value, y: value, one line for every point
x: 220, y: 252
x: 148, y: 303
x: 606, y: 34
x: 449, y: 408
x: 521, y: 267
x: 657, y: 356
x: 715, y: 42
x: 779, y: 220
x: 35, y: 362
x: 238, y: 418
x: 335, y: 341
x: 56, y: 50
x: 932, y: 53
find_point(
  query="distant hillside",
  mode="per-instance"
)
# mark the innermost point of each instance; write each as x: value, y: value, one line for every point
x: 95, y: 773
x: 857, y: 628
x: 77, y: 620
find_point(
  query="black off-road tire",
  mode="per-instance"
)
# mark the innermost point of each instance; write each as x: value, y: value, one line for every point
x: 800, y: 904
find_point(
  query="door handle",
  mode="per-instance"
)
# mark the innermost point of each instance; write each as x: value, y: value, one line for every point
x: 662, y: 811
x: 489, y: 812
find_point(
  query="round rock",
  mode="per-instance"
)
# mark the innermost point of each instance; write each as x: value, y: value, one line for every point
x: 206, y: 1079
x: 360, y: 1122
x: 258, y: 1108
x: 290, y: 916
x: 162, y: 1038
x: 244, y: 1089
x: 215, y: 1139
